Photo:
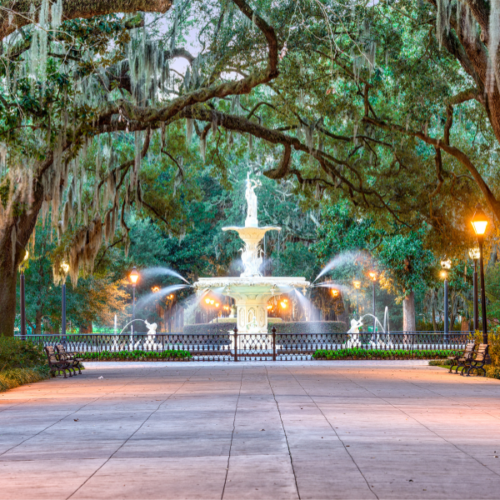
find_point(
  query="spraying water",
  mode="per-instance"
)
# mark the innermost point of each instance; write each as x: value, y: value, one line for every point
x: 158, y: 271
x: 194, y: 301
x: 305, y: 303
x: 339, y: 260
x: 158, y: 295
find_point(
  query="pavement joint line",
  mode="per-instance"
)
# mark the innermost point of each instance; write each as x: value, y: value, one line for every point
x: 426, y: 427
x: 457, y: 401
x: 232, y: 434
x: 336, y: 433
x: 61, y: 419
x: 135, y: 432
x: 284, y: 430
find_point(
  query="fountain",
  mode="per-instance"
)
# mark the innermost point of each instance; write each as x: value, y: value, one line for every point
x: 251, y: 291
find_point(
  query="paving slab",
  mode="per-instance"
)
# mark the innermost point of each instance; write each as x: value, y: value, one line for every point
x: 252, y: 430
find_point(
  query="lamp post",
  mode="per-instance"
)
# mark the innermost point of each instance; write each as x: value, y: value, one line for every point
x: 373, y: 277
x: 133, y: 277
x: 474, y: 255
x: 479, y: 224
x: 22, y: 267
x: 445, y: 266
x: 65, y: 270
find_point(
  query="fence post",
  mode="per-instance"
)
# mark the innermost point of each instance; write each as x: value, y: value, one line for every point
x: 236, y: 343
x: 274, y: 343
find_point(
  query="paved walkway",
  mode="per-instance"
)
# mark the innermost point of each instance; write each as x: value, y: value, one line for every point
x: 257, y: 431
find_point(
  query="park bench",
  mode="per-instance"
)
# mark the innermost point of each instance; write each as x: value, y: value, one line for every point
x: 55, y: 364
x: 461, y: 359
x: 74, y: 363
x: 478, y: 362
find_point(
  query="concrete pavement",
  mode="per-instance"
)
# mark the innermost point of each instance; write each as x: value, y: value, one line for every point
x: 352, y: 430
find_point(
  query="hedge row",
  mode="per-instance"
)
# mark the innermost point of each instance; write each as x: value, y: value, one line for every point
x: 10, y: 379
x: 136, y: 355
x: 356, y: 353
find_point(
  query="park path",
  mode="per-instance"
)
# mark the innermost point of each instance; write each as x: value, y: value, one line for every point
x: 252, y: 430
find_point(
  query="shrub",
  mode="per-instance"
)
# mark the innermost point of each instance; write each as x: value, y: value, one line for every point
x: 137, y: 355
x: 310, y: 327
x: 16, y: 353
x: 9, y: 379
x: 359, y: 353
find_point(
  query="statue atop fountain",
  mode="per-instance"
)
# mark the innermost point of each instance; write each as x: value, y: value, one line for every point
x: 251, y: 291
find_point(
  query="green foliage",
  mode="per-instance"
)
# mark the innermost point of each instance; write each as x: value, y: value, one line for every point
x: 407, y: 264
x: 16, y: 353
x: 360, y: 353
x: 136, y: 355
x: 311, y: 327
x: 12, y: 378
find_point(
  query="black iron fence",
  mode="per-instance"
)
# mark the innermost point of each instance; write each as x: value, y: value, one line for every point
x: 234, y: 346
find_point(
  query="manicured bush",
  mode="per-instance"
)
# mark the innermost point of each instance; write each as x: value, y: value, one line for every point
x: 10, y: 379
x: 209, y: 329
x: 358, y: 353
x: 17, y: 353
x: 136, y: 355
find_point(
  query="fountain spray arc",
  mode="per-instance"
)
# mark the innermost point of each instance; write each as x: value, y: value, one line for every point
x: 251, y: 291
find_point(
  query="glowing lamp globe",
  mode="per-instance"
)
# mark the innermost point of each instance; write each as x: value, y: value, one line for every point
x: 373, y: 275
x: 335, y: 293
x: 65, y: 267
x: 479, y: 221
x: 133, y: 276
x: 357, y: 284
x: 443, y: 274
x: 207, y: 301
x: 474, y: 253
x: 446, y: 264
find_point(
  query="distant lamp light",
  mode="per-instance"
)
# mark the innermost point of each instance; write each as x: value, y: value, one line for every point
x: 335, y: 293
x: 443, y: 274
x: 65, y: 267
x: 269, y: 307
x: 217, y: 304
x: 357, y: 284
x: 474, y: 253
x: 446, y: 264
x: 283, y: 304
x: 212, y: 302
x: 133, y: 276
x: 207, y: 301
x: 155, y: 289
x: 373, y: 275
x: 479, y: 221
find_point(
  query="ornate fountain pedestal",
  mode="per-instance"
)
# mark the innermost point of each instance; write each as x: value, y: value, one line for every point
x: 251, y: 291
x: 251, y: 296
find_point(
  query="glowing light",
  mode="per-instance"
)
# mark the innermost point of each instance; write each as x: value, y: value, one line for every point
x: 217, y: 304
x: 335, y: 293
x: 283, y: 304
x: 373, y: 275
x: 474, y: 253
x: 443, y: 274
x: 446, y: 264
x: 357, y: 284
x: 133, y: 276
x: 212, y: 302
x: 171, y: 296
x: 479, y: 221
x: 155, y: 289
x: 65, y: 267
x: 207, y: 301
x: 269, y: 307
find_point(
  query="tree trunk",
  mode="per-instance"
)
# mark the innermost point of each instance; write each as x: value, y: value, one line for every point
x: 24, y: 224
x: 38, y: 324
x: 409, y: 313
x: 434, y: 316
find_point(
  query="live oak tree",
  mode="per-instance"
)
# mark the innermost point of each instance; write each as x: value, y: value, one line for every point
x: 393, y: 106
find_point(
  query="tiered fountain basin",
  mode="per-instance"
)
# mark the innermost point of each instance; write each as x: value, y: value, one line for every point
x: 251, y: 296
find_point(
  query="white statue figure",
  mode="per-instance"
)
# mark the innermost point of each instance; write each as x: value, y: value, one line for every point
x: 150, y: 341
x: 251, y: 197
x: 354, y: 331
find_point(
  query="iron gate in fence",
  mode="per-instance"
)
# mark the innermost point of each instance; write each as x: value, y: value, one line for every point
x: 234, y: 346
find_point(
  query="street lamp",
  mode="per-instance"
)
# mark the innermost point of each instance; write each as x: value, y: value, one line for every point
x: 65, y: 270
x: 22, y: 267
x: 445, y: 266
x: 474, y: 255
x: 133, y: 277
x: 479, y: 223
x: 373, y: 277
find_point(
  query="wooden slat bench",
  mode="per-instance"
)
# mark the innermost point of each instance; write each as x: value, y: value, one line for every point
x: 73, y: 362
x: 55, y: 364
x: 462, y: 359
x: 478, y: 362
